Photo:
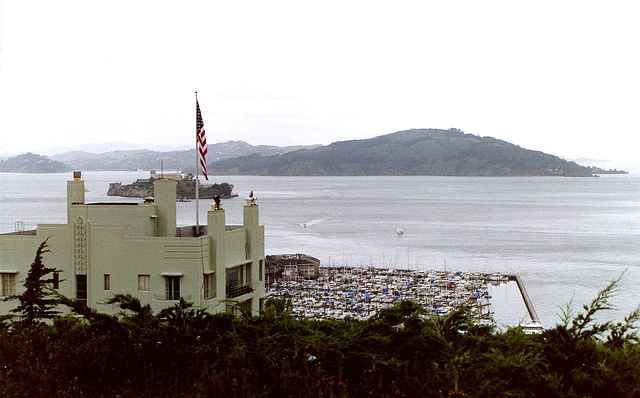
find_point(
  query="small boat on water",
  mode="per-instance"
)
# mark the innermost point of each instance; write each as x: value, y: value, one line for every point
x: 399, y: 231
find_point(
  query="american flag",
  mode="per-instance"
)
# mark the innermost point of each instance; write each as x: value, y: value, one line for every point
x: 202, y: 142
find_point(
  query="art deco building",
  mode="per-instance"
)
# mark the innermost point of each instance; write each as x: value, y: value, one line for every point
x: 136, y: 248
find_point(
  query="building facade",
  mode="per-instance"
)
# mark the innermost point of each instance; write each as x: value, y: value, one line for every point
x: 291, y: 266
x: 129, y: 248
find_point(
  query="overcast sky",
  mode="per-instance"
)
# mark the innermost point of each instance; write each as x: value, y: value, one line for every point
x: 558, y: 76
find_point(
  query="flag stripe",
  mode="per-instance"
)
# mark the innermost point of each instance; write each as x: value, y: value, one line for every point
x: 202, y: 142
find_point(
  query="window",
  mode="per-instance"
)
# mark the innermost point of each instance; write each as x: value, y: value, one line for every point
x: 240, y: 308
x: 209, y: 285
x: 245, y: 308
x: 261, y: 270
x: 107, y: 281
x: 8, y: 284
x: 81, y: 289
x: 172, y: 287
x: 247, y: 272
x: 234, y: 276
x: 55, y: 281
x: 144, y: 283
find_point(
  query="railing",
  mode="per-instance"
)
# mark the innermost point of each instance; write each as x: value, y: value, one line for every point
x: 187, y: 297
x: 239, y: 290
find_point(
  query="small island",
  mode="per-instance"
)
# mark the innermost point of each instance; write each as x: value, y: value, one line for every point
x: 32, y: 163
x: 185, y: 190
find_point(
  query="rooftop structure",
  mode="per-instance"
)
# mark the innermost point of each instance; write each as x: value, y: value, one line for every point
x: 167, y: 175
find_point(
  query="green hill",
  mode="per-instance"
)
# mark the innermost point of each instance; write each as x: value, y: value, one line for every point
x: 412, y: 152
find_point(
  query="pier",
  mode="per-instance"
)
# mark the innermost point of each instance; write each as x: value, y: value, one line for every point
x: 525, y: 297
x: 535, y: 326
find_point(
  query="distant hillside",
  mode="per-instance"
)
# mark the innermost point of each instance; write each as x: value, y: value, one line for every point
x: 32, y: 163
x: 181, y: 160
x: 413, y: 152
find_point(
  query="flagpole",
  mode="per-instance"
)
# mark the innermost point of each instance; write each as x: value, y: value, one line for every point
x: 197, y: 173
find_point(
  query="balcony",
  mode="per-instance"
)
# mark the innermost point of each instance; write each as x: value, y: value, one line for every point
x: 234, y: 291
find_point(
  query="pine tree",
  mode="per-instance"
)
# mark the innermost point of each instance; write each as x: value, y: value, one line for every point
x: 37, y: 303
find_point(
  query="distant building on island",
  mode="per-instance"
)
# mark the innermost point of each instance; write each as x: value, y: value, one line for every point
x: 290, y: 266
x: 167, y: 175
x: 136, y: 248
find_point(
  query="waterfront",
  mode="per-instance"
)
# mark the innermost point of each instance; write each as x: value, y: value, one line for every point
x: 566, y: 237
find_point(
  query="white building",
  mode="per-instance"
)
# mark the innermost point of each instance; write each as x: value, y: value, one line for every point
x: 109, y: 248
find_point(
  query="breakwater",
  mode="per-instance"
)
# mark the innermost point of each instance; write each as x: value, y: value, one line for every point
x: 534, y: 325
x: 357, y: 293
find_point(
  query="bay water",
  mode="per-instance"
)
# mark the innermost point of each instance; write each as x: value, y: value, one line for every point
x: 566, y: 237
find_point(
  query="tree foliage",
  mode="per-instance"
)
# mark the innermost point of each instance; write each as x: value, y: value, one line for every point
x: 37, y: 303
x: 185, y: 351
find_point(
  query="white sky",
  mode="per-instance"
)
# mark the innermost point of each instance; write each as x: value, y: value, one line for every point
x: 558, y: 76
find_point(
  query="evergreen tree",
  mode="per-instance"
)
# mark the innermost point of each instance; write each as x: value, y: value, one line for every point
x: 37, y: 303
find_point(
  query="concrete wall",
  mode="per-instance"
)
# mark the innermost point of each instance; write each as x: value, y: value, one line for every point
x: 139, y: 218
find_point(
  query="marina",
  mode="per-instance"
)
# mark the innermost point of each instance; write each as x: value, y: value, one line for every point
x: 358, y: 293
